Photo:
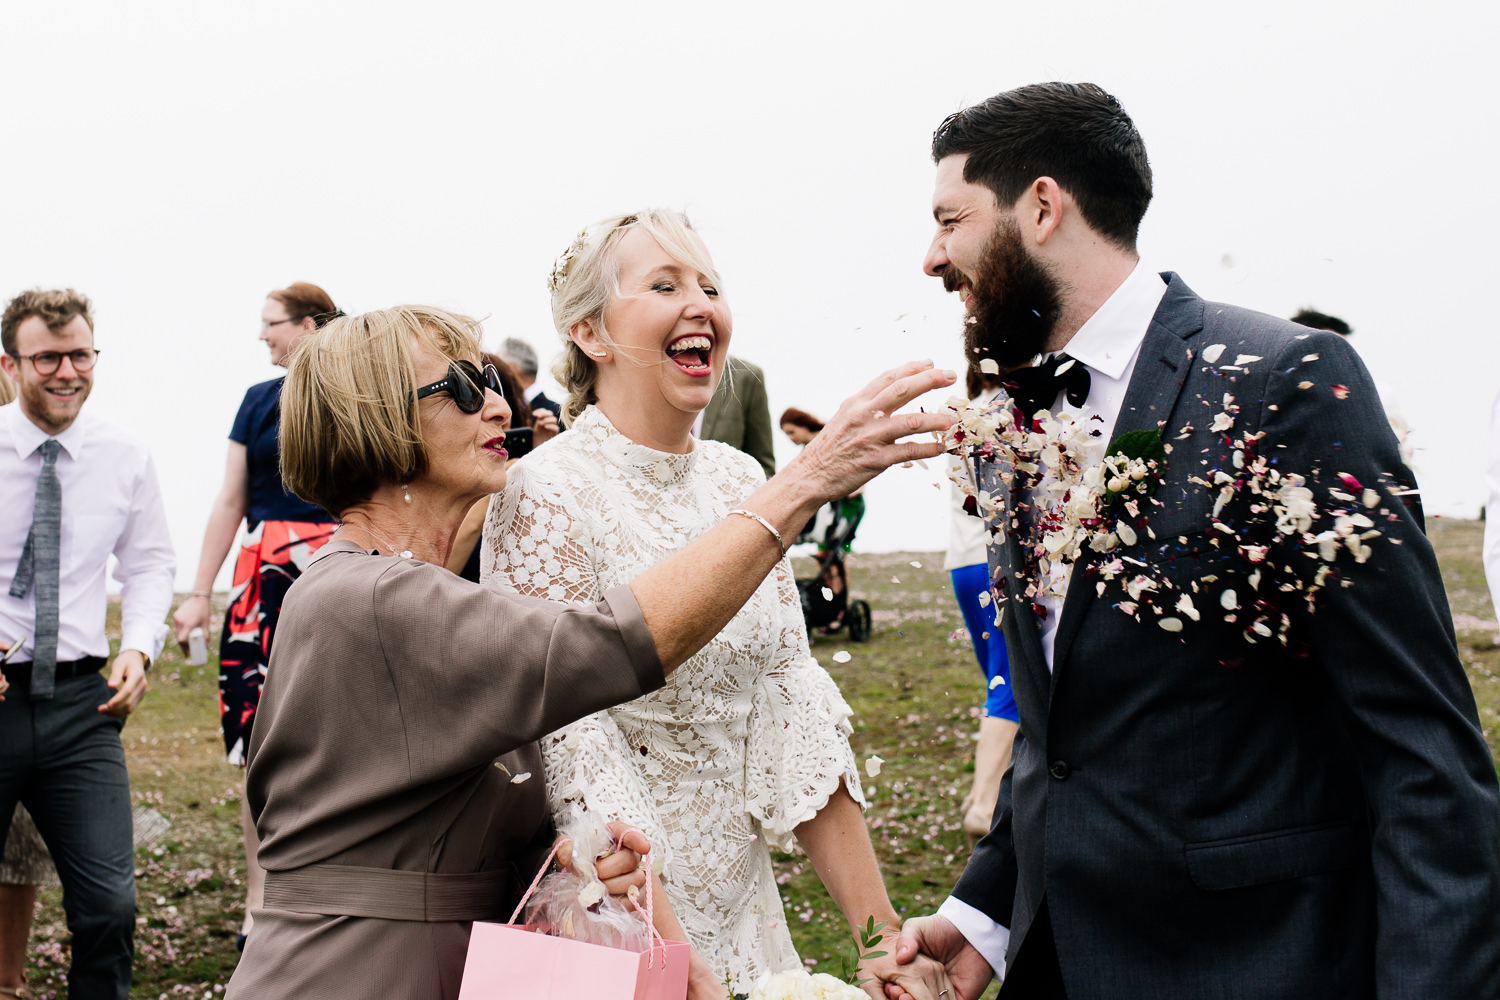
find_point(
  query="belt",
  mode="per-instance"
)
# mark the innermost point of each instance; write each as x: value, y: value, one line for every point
x: 387, y: 894
x: 20, y: 673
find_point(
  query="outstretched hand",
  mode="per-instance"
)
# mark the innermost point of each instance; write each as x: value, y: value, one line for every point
x: 936, y: 938
x: 863, y: 438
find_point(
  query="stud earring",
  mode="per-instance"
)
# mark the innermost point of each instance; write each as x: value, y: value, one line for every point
x: 405, y: 493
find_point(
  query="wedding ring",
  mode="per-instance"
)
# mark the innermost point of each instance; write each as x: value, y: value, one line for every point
x: 942, y: 993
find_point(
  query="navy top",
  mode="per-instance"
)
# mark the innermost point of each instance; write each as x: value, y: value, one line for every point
x: 255, y: 427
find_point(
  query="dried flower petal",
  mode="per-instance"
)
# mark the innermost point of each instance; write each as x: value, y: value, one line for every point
x: 1211, y: 353
x: 872, y: 765
x: 842, y: 656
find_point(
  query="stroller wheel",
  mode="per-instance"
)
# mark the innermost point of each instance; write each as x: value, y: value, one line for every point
x: 858, y: 620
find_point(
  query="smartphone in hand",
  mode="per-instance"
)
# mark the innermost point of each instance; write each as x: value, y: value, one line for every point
x: 518, y: 441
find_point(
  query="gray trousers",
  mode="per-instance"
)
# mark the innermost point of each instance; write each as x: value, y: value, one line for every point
x: 63, y: 759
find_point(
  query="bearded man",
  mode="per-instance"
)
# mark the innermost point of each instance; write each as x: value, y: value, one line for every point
x: 1249, y: 762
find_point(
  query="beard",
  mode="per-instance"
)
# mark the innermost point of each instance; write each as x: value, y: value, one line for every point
x: 1017, y: 301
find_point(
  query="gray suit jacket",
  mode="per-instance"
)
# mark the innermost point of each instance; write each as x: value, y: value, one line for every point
x: 1214, y: 819
x: 740, y: 414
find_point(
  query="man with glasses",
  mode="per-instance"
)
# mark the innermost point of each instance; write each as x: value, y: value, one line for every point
x: 74, y: 491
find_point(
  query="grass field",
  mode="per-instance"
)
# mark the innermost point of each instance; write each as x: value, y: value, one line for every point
x: 914, y: 687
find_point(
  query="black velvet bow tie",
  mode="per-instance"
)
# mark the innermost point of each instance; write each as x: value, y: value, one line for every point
x: 1036, y: 388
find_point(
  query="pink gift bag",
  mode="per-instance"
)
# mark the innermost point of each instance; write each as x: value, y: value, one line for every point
x: 508, y: 960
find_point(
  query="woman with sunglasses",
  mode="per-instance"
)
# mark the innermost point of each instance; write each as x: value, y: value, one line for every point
x: 394, y: 774
x: 282, y: 532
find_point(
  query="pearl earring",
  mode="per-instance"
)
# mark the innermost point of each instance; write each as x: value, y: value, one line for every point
x: 405, y: 493
x: 598, y: 354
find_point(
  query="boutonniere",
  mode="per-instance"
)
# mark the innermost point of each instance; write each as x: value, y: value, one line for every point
x: 1130, y: 472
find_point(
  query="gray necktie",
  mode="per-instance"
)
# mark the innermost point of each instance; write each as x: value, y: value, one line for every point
x: 40, y: 565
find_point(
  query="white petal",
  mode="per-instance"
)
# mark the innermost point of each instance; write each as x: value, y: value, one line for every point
x: 523, y: 776
x: 989, y: 366
x: 1245, y: 359
x: 842, y: 656
x: 873, y: 762
x: 1211, y: 352
x: 1171, y: 624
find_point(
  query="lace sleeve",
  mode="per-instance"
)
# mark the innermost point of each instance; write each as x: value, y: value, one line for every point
x: 588, y: 765
x: 798, y: 731
x: 536, y: 543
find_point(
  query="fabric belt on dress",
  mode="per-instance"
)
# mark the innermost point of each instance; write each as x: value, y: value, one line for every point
x: 388, y: 894
x: 20, y: 673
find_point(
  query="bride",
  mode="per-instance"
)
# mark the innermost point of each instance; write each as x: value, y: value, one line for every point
x: 747, y: 745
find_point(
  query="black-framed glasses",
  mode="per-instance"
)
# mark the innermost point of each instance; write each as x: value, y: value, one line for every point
x: 466, y: 384
x: 48, y: 362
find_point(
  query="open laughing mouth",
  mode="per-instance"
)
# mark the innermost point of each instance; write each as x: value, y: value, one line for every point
x: 692, y: 354
x: 497, y: 446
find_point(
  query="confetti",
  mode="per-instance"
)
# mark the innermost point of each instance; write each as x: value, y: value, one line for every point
x: 872, y: 766
x: 915, y: 564
x: 519, y: 778
x: 827, y: 593
x: 1245, y: 359
x: 1340, y: 391
x: 842, y: 656
x: 996, y: 681
x: 1212, y: 352
x: 1171, y: 624
x: 1309, y: 357
x: 1304, y: 385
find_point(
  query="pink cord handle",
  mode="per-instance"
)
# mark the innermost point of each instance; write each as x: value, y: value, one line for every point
x: 648, y: 912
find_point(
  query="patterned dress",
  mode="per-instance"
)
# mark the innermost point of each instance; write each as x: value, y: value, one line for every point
x: 747, y: 739
x: 283, y: 534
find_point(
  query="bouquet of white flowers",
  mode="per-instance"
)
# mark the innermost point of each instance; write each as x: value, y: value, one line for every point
x: 799, y: 984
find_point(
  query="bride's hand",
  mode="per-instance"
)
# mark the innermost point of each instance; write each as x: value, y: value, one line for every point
x: 621, y: 869
x: 702, y: 983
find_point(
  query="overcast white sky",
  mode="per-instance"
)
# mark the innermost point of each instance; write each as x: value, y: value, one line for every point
x: 177, y: 161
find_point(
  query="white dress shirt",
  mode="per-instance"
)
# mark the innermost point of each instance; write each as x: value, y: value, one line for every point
x: 111, y: 504
x: 1108, y: 344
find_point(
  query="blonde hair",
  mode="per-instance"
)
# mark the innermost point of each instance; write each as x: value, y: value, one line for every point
x: 349, y: 416
x: 589, y: 279
x: 7, y: 389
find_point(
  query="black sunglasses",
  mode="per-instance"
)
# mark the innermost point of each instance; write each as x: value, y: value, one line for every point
x: 466, y: 384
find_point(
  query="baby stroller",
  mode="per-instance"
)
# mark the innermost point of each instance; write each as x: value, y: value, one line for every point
x: 825, y: 597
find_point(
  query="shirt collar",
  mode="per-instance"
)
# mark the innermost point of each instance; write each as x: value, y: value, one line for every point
x: 28, y: 437
x: 1109, y: 339
x: 532, y: 391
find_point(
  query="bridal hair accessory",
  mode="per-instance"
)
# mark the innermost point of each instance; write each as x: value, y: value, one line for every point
x: 560, y: 267
x: 742, y: 512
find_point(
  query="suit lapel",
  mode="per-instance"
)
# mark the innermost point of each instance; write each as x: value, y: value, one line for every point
x: 1157, y: 381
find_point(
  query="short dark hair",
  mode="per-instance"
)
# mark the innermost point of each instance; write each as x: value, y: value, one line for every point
x: 57, y: 307
x: 303, y: 299
x: 800, y: 418
x: 1322, y: 321
x: 1075, y: 133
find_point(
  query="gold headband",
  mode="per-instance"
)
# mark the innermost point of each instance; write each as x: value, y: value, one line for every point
x: 560, y: 267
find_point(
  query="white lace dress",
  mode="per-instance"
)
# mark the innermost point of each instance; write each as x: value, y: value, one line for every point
x: 748, y: 738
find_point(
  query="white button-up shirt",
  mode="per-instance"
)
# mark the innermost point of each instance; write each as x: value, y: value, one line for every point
x: 111, y: 504
x: 1108, y: 344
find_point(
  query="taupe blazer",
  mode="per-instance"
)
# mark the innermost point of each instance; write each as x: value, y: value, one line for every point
x: 394, y: 778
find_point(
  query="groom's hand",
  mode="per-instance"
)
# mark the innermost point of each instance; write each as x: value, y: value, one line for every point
x: 937, y: 938
x: 919, y: 978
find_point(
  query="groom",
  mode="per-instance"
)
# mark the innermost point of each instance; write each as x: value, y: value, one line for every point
x: 1279, y: 788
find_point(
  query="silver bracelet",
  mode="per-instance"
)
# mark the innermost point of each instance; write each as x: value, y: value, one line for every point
x: 202, y: 593
x: 742, y: 512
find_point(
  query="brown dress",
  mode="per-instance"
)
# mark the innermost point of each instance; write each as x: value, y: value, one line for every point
x: 389, y: 762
